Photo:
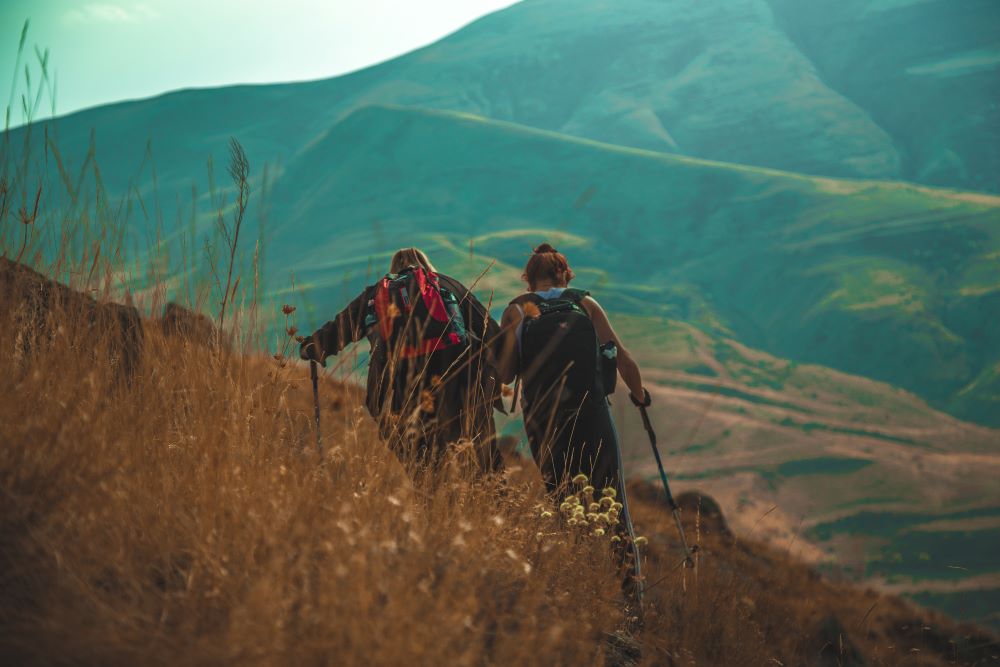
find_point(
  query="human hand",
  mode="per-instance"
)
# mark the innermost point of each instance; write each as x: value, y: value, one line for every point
x: 641, y: 402
x: 310, y: 351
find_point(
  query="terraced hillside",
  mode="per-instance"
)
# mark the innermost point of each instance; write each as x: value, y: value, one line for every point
x: 889, y: 281
x: 894, y: 282
x: 860, y: 474
x: 852, y: 474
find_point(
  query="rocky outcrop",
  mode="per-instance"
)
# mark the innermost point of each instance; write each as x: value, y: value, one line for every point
x: 185, y: 323
x: 109, y: 331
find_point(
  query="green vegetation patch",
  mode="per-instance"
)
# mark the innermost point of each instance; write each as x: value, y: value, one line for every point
x: 875, y: 284
x: 808, y: 427
x: 979, y: 605
x: 945, y: 554
x: 883, y: 524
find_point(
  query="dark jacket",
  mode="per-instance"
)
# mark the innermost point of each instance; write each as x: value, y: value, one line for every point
x: 349, y: 327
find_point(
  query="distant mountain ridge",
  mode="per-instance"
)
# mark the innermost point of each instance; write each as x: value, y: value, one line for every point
x: 927, y: 71
x: 896, y: 89
x: 885, y: 280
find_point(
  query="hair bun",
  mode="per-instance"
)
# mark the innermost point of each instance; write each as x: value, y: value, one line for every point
x: 544, y: 248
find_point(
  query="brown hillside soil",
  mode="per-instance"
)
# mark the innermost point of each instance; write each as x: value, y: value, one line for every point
x: 780, y: 604
x: 848, y: 472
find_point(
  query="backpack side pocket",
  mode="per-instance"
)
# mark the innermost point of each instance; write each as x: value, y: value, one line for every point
x: 609, y: 367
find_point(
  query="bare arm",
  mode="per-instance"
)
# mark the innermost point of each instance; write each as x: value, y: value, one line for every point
x: 627, y: 368
x: 507, y: 363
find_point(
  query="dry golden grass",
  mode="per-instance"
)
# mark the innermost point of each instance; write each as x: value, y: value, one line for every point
x: 184, y: 517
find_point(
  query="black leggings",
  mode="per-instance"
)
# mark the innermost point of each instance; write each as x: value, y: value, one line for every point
x: 586, y: 441
x: 433, y: 418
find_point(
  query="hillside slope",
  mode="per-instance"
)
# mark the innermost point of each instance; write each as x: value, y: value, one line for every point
x: 886, y: 90
x: 924, y: 70
x: 894, y: 282
x: 184, y: 517
x: 848, y: 473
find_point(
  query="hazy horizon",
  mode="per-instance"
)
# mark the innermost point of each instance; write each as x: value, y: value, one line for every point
x: 107, y: 52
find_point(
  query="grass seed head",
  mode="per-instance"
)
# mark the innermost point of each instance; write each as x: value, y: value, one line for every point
x: 427, y: 402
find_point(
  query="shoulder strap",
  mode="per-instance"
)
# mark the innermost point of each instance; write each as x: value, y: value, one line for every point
x: 574, y: 295
x: 570, y: 294
x: 528, y: 297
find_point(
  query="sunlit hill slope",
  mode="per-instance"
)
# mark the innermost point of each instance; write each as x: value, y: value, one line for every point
x: 181, y: 514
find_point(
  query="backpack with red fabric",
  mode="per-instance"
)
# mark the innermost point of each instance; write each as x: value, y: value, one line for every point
x: 415, y: 316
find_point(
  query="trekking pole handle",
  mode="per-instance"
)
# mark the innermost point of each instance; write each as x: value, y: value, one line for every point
x: 642, y: 411
x: 647, y: 400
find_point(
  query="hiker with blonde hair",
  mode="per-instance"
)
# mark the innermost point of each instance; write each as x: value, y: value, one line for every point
x: 561, y: 346
x: 431, y: 378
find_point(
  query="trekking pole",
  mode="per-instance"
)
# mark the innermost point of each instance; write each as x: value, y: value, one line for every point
x: 314, y: 373
x: 674, y: 509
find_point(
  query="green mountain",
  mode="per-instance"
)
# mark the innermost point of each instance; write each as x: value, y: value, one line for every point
x: 924, y: 70
x: 891, y: 281
x: 890, y: 89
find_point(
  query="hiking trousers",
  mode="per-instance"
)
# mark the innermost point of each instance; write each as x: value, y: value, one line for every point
x: 567, y: 443
x: 429, y: 414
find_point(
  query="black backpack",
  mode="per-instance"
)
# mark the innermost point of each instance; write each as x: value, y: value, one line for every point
x: 561, y: 364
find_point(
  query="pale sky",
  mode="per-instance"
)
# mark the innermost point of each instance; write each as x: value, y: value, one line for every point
x: 121, y: 49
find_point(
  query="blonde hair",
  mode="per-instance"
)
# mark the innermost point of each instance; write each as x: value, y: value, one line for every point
x: 407, y: 257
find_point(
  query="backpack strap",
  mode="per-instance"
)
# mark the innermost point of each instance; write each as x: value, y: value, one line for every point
x: 570, y: 294
x: 527, y: 297
x: 574, y: 295
x: 380, y: 305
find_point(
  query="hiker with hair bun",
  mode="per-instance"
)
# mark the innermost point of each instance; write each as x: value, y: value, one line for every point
x: 431, y: 378
x: 566, y: 355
